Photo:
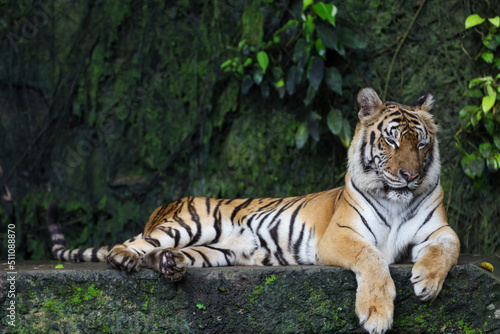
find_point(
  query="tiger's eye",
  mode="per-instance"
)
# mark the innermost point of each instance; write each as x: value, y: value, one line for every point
x: 391, y: 141
x: 422, y: 144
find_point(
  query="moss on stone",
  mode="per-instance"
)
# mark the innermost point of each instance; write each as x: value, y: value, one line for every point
x: 260, y: 300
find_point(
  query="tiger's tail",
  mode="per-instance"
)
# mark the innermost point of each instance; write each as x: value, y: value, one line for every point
x: 59, y: 250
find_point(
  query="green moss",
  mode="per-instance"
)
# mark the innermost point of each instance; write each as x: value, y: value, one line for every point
x: 270, y: 280
x: 91, y: 293
x: 425, y: 317
x: 258, y: 289
x: 54, y: 305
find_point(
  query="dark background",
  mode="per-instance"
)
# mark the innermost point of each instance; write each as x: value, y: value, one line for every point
x: 114, y: 108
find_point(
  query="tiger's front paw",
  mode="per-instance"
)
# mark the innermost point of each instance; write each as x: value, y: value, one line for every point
x: 427, y: 282
x: 375, y: 306
x: 120, y: 257
x: 168, y: 261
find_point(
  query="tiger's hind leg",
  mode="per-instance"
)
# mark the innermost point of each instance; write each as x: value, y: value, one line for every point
x: 172, y: 262
x: 129, y: 256
x: 176, y: 225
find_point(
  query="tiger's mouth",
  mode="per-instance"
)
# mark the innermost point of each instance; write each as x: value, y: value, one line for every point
x: 404, y: 191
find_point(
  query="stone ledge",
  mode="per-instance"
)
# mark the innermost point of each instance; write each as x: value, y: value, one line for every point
x: 89, y: 298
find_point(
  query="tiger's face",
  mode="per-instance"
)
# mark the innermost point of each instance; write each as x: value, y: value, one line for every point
x: 394, y: 152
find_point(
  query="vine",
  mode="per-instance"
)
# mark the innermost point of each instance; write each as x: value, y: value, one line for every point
x: 478, y: 140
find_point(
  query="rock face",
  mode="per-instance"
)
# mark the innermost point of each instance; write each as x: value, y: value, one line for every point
x: 89, y: 298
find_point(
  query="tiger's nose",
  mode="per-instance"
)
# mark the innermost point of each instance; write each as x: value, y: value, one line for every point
x: 407, y: 175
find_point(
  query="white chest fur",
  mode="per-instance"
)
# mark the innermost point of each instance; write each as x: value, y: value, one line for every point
x: 397, y: 230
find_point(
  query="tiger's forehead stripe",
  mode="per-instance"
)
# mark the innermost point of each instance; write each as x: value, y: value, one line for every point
x: 408, y: 120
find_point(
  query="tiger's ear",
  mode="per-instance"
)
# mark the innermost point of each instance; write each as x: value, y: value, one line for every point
x: 425, y: 102
x: 369, y: 103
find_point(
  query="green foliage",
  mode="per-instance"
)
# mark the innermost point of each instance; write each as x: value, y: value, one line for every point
x: 307, y: 39
x: 479, y: 137
x: 200, y: 306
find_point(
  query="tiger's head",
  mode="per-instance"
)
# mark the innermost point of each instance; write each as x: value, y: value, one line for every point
x: 394, y: 153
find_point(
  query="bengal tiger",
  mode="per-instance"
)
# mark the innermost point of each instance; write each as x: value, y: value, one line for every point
x: 389, y: 210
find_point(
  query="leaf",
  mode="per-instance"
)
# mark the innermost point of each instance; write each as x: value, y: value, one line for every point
x: 467, y: 110
x: 258, y: 75
x: 249, y: 61
x: 311, y: 93
x: 246, y: 84
x: 263, y: 60
x: 279, y: 83
x: 326, y: 12
x: 301, y: 135
x: 328, y: 36
x: 487, y: 56
x: 495, y: 21
x: 490, y: 90
x: 473, y: 20
x: 345, y: 135
x: 241, y: 44
x: 312, y: 126
x: 280, y: 87
x: 473, y: 165
x: 473, y: 93
x: 352, y: 39
x: 496, y: 140
x: 475, y: 82
x: 306, y: 3
x: 315, y: 116
x: 488, y: 102
x: 493, y: 161
x: 489, y: 123
x: 59, y: 266
x: 292, y: 79
x: 320, y: 47
x: 308, y: 27
x: 334, y: 121
x: 474, y: 119
x: 301, y: 54
x: 277, y: 73
x: 485, y: 149
x: 226, y: 63
x: 491, y: 42
x: 497, y: 62
x: 316, y: 72
x: 333, y: 80
x: 200, y: 306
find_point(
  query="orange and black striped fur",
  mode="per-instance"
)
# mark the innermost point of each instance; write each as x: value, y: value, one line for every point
x: 390, y: 210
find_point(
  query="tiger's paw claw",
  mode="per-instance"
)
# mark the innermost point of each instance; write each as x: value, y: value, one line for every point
x: 172, y: 265
x: 375, y: 306
x: 170, y: 262
x: 426, y: 283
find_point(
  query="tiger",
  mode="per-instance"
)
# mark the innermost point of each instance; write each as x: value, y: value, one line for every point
x: 389, y: 210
